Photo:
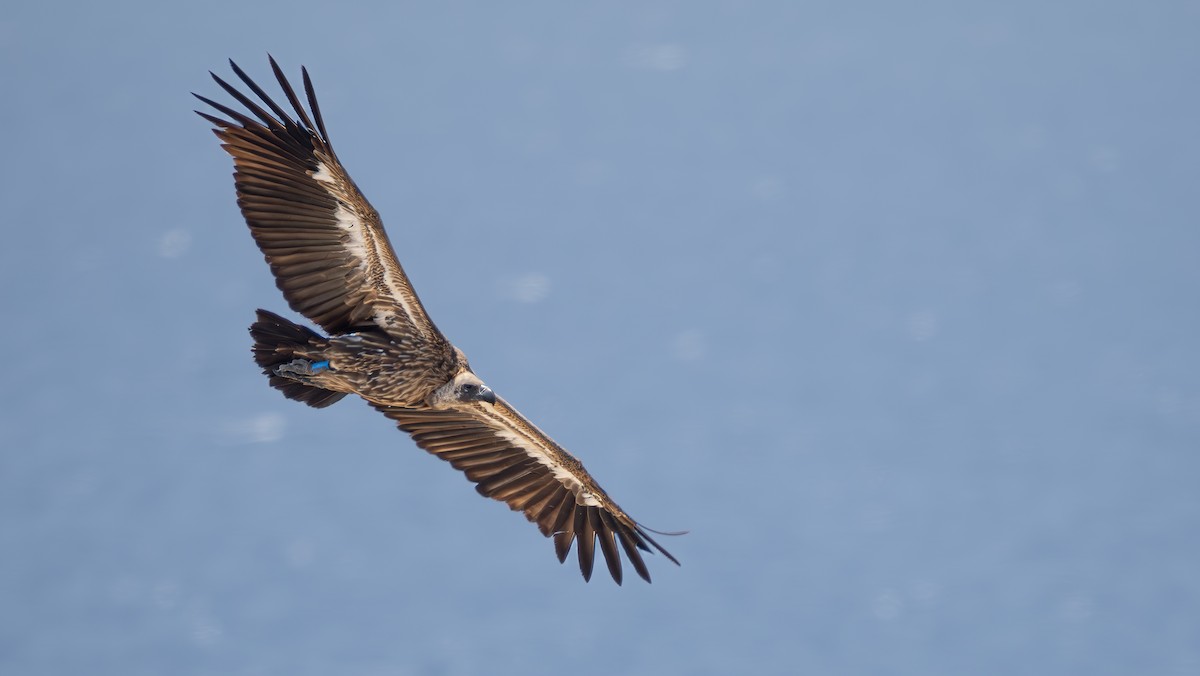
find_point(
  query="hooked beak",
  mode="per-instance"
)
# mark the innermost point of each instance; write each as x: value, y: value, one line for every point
x: 485, y: 393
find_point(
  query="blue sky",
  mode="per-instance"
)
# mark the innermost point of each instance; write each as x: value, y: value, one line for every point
x: 893, y: 307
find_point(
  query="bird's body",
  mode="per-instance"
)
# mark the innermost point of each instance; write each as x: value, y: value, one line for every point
x: 333, y: 262
x: 369, y: 363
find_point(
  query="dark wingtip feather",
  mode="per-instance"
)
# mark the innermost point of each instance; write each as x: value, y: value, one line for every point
x: 562, y: 545
x: 267, y: 119
x: 274, y: 64
x: 216, y: 121
x: 312, y: 103
x: 564, y: 528
x: 293, y: 99
x: 631, y: 550
x: 606, y: 528
x: 235, y: 115
x: 258, y: 91
x: 643, y: 535
x: 586, y: 537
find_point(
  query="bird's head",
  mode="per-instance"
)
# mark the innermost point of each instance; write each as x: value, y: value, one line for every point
x: 464, y: 388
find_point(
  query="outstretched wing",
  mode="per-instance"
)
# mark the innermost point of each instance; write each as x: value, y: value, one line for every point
x: 512, y: 461
x: 324, y: 242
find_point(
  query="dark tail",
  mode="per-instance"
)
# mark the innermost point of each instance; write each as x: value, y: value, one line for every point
x: 279, y: 341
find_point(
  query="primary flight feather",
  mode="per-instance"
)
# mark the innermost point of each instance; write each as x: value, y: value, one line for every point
x: 334, y: 264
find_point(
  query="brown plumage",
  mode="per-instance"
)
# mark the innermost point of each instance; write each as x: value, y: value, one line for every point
x: 334, y: 264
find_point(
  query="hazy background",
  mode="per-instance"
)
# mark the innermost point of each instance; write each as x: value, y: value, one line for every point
x: 893, y: 305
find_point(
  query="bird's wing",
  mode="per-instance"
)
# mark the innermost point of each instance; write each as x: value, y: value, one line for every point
x: 323, y: 240
x: 511, y: 460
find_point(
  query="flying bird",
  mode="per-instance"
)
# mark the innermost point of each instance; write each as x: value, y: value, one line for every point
x: 333, y: 262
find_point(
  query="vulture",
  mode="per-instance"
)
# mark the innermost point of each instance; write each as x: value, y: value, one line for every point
x: 332, y: 260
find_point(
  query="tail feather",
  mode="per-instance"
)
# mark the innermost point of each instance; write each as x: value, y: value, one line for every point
x: 277, y: 341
